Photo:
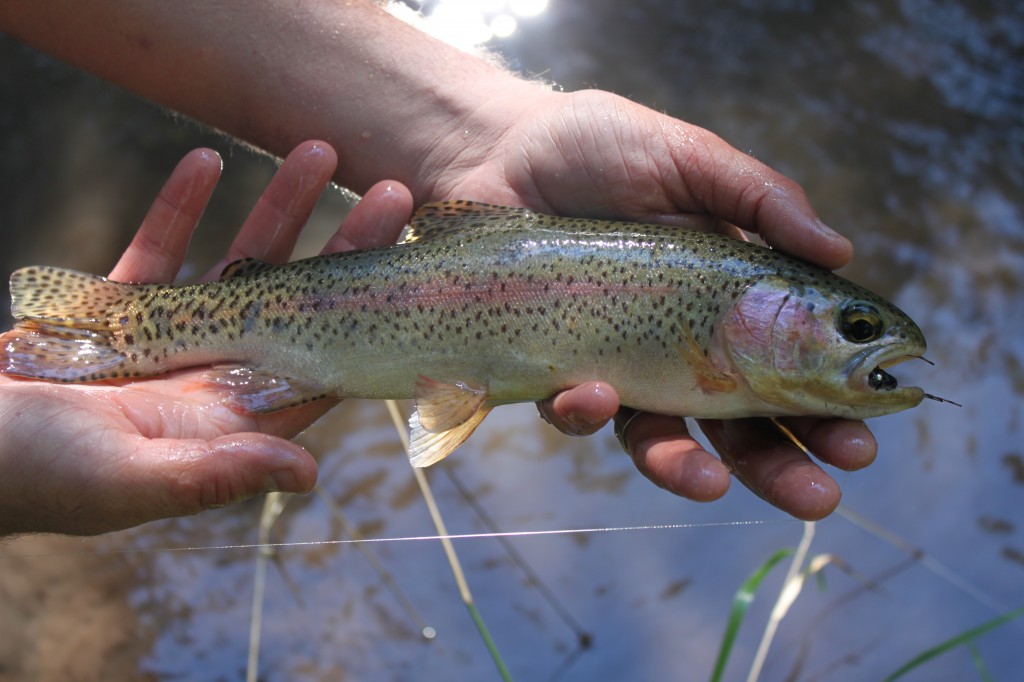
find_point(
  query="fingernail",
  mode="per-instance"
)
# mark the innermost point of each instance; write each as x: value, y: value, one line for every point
x: 830, y: 233
x: 316, y: 148
x: 282, y: 481
x: 581, y: 427
x: 839, y: 253
x: 211, y: 154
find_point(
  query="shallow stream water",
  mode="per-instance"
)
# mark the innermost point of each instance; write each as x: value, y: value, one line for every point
x: 904, y: 123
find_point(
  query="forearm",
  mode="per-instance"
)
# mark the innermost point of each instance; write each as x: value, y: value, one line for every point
x: 274, y: 72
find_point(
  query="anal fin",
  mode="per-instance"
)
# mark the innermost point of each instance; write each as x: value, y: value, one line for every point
x: 427, y: 447
x: 444, y: 405
x: 446, y: 415
x: 251, y: 390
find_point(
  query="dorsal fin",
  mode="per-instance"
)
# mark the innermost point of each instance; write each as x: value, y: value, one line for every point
x: 242, y: 267
x: 442, y: 218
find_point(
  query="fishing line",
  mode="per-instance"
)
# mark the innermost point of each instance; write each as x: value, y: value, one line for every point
x: 411, y: 538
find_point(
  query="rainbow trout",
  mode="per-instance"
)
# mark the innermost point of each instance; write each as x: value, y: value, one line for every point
x: 484, y: 305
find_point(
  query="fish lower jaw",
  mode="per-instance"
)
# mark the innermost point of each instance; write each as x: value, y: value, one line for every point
x: 881, y: 391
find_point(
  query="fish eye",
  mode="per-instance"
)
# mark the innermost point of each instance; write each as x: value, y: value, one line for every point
x: 860, y: 322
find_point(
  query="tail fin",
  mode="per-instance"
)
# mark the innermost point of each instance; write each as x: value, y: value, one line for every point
x: 63, y: 329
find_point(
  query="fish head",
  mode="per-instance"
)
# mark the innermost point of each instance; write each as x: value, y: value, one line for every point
x: 821, y: 348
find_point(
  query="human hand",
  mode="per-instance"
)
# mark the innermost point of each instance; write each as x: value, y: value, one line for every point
x: 594, y: 154
x: 86, y: 459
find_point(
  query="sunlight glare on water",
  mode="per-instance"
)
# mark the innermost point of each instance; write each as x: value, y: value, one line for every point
x: 468, y: 24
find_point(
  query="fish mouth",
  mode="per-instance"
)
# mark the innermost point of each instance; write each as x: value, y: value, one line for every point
x: 881, y: 389
x: 869, y: 375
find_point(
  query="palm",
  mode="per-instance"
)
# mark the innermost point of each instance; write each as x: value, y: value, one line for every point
x: 117, y: 456
x: 610, y: 170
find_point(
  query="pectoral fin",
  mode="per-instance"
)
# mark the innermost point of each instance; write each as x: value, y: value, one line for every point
x: 709, y: 378
x: 445, y: 416
x: 251, y: 390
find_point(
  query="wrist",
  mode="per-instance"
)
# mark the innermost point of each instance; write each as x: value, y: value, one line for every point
x: 472, y: 137
x: 433, y: 109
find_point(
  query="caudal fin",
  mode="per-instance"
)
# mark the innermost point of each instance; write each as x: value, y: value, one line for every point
x: 63, y: 329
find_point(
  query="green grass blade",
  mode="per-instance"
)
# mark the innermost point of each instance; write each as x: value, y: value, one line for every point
x: 979, y: 662
x: 952, y: 643
x: 492, y: 648
x: 740, y: 604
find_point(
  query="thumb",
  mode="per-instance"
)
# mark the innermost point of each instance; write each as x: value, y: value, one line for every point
x: 171, y: 477
x: 745, y: 192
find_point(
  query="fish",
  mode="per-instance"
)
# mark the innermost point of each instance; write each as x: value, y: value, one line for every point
x: 485, y: 305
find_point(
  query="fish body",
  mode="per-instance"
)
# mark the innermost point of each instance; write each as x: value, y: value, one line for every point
x: 485, y: 305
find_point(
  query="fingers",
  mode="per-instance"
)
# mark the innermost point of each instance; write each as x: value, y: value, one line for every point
x: 170, y: 477
x: 158, y: 249
x: 376, y: 220
x: 847, y: 445
x: 269, y: 233
x: 661, y: 447
x: 582, y: 410
x: 754, y: 450
x: 785, y: 220
x: 664, y: 452
x: 134, y: 479
x: 764, y: 459
x: 274, y: 224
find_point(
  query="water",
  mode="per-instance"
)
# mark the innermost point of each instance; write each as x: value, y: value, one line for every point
x: 902, y: 121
